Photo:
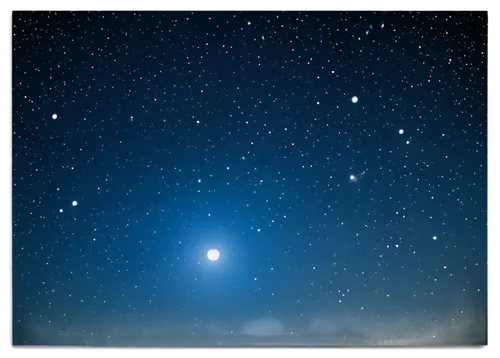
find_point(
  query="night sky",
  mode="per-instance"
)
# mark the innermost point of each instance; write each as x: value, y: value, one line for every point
x: 336, y: 161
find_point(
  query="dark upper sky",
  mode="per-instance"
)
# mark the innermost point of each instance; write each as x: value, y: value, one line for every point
x: 337, y: 161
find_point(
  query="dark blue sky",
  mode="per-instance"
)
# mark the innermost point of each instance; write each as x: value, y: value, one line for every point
x: 177, y: 132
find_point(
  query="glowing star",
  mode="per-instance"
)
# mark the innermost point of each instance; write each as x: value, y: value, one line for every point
x: 74, y: 203
x: 353, y: 178
x: 213, y: 255
x: 434, y: 238
x: 401, y: 131
x: 54, y: 116
x: 354, y: 99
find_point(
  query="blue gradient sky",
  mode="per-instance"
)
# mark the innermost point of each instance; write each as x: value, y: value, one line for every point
x: 181, y: 132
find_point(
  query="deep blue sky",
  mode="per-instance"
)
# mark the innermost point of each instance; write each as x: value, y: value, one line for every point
x: 180, y: 132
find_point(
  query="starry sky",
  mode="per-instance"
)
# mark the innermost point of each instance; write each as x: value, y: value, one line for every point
x: 336, y: 160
